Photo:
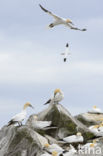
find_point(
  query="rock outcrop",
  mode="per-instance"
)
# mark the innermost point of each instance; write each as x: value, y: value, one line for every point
x: 89, y: 119
x: 27, y: 141
x: 61, y: 118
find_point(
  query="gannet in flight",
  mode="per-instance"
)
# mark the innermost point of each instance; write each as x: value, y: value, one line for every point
x: 74, y: 138
x: 66, y: 53
x: 18, y: 118
x: 60, y: 20
x: 58, y: 96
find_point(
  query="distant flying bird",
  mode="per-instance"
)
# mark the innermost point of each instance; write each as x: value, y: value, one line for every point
x: 18, y: 118
x: 66, y: 53
x: 60, y: 20
x: 58, y: 96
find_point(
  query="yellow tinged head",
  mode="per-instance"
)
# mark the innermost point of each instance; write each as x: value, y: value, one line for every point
x: 96, y: 126
x: 46, y: 145
x: 94, y: 141
x: 57, y: 91
x: 92, y: 145
x: 54, y: 153
x: 27, y: 104
x: 94, y: 107
x: 79, y: 134
x: 68, y: 21
x: 35, y: 117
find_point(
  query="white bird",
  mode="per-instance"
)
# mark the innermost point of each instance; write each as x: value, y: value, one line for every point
x: 71, y: 152
x: 89, y: 146
x: 74, y: 138
x: 94, y: 129
x: 95, y: 109
x: 18, y: 118
x: 40, y: 124
x: 58, y: 96
x: 60, y: 20
x: 66, y: 53
x: 53, y: 147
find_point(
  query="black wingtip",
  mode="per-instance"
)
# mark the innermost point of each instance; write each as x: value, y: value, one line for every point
x: 43, y: 8
x: 67, y: 45
x: 84, y: 29
x: 65, y: 59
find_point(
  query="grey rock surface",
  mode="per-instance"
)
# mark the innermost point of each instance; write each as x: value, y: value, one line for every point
x: 26, y: 141
x: 89, y: 119
x: 61, y: 118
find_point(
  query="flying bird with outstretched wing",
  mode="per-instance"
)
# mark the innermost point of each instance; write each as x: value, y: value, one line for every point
x: 59, y: 20
x: 66, y: 53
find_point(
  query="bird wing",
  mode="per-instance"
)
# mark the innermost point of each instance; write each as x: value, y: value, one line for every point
x: 18, y: 117
x: 75, y: 28
x: 47, y: 102
x: 50, y: 13
x: 62, y: 53
x: 42, y: 124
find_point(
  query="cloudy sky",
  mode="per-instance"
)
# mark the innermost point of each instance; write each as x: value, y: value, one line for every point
x: 31, y: 66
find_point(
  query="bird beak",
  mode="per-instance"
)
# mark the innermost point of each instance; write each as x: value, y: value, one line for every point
x: 31, y: 106
x: 72, y: 23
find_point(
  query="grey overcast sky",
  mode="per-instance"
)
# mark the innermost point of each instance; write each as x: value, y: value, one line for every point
x: 31, y: 66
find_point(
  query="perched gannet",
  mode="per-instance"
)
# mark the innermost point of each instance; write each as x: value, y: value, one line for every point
x: 18, y: 118
x: 60, y: 20
x: 71, y: 152
x: 74, y: 138
x: 66, y: 53
x: 89, y: 145
x: 94, y: 129
x: 53, y: 147
x: 40, y: 124
x: 95, y: 109
x: 58, y: 96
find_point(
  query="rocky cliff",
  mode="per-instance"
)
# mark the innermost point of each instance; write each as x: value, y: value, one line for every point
x: 27, y: 141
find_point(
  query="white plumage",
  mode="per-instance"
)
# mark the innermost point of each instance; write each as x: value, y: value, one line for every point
x: 96, y: 110
x: 74, y: 138
x: 59, y: 20
x: 53, y: 147
x: 58, y: 96
x: 40, y: 124
x: 18, y: 118
x: 66, y: 53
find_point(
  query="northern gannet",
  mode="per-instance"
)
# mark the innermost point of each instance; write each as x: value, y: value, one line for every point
x: 95, y: 109
x: 71, y: 152
x: 58, y: 96
x: 60, y: 20
x: 94, y: 129
x: 53, y: 147
x: 18, y: 118
x: 40, y: 124
x: 66, y: 53
x: 89, y: 146
x: 74, y: 138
